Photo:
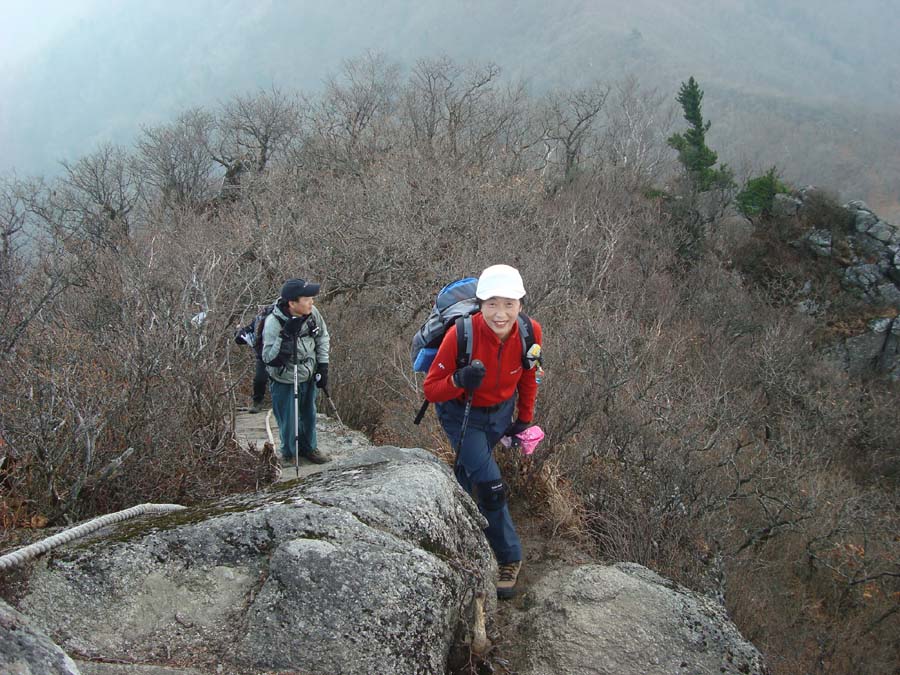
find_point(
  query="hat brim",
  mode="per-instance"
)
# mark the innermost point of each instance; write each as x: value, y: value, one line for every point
x: 310, y: 290
x: 307, y: 291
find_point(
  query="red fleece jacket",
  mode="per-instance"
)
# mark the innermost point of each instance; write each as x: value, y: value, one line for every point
x: 503, y: 364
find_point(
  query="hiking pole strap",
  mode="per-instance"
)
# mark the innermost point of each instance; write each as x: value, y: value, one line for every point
x: 421, y: 412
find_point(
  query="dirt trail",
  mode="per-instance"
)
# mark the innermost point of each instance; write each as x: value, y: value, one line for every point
x: 334, y: 439
x: 544, y: 553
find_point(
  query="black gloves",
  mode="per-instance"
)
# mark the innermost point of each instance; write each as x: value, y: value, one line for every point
x: 470, y: 377
x: 292, y: 326
x: 516, y: 427
x: 322, y: 375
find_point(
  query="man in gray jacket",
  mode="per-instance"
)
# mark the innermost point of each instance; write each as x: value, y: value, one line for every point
x: 295, y: 334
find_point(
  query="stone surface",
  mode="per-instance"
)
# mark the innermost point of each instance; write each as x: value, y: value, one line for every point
x: 785, y: 206
x: 26, y: 650
x: 373, y: 561
x: 625, y: 620
x: 819, y: 242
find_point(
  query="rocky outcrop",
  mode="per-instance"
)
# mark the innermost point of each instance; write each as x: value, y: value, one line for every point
x: 368, y: 567
x: 373, y: 565
x: 869, y: 259
x: 877, y: 350
x: 869, y: 254
x: 25, y: 650
x: 625, y: 620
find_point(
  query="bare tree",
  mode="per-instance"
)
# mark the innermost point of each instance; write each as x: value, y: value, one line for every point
x: 174, y: 159
x: 103, y: 188
x: 638, y: 124
x: 568, y: 118
x: 456, y: 106
x: 252, y: 131
x: 352, y: 122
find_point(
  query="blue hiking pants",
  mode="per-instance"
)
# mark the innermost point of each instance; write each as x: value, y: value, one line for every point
x: 283, y: 407
x: 476, y: 470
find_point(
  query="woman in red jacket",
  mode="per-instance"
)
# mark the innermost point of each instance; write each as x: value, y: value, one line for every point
x: 496, y: 384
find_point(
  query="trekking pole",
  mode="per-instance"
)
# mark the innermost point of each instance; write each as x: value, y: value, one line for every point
x: 333, y: 406
x: 465, y: 423
x: 296, y: 423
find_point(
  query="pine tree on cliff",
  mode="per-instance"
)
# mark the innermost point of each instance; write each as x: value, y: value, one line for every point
x: 693, y: 153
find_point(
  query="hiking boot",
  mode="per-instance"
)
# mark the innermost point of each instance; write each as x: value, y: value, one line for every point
x: 506, y: 584
x: 255, y: 408
x: 316, y: 457
x: 287, y: 460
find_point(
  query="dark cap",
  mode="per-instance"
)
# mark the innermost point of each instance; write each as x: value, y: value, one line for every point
x: 298, y: 288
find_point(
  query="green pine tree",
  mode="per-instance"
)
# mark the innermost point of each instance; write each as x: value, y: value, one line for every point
x: 758, y: 195
x: 693, y: 153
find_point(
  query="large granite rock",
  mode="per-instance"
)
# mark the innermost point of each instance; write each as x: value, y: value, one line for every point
x: 625, y: 620
x: 25, y: 650
x: 368, y: 567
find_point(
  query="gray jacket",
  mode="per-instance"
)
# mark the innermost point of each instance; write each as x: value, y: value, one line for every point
x: 311, y: 349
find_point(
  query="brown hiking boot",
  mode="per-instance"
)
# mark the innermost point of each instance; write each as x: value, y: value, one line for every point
x: 316, y: 457
x: 506, y: 584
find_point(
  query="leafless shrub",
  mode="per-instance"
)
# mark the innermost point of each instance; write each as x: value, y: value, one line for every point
x: 175, y: 163
x: 691, y: 425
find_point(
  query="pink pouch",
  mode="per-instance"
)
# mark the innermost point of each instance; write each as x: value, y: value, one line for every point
x: 526, y: 441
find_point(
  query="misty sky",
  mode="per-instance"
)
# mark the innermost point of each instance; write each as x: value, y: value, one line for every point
x: 28, y: 26
x: 77, y: 73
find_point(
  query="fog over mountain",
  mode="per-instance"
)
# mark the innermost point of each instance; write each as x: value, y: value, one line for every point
x: 813, y: 88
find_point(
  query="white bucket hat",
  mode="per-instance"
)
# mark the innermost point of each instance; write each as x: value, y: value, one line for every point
x: 500, y: 281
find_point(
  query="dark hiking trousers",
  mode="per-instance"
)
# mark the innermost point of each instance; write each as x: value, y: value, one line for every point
x: 260, y: 380
x: 477, y: 471
x: 283, y: 407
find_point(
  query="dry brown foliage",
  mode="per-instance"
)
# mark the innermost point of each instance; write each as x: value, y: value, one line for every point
x: 691, y: 424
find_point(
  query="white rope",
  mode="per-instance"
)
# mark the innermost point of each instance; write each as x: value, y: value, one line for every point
x: 26, y: 553
x: 269, y: 427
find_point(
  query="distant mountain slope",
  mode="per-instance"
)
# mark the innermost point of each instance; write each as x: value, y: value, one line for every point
x: 140, y: 62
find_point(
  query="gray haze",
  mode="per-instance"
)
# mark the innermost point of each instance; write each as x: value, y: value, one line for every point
x: 813, y: 88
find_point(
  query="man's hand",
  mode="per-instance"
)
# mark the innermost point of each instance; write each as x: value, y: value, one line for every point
x: 293, y: 325
x: 322, y: 375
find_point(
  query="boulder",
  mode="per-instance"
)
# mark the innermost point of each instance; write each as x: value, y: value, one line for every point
x: 862, y: 277
x: 864, y: 220
x: 369, y: 566
x: 785, y: 206
x: 626, y: 620
x: 819, y: 242
x: 876, y: 350
x: 883, y: 232
x: 26, y: 650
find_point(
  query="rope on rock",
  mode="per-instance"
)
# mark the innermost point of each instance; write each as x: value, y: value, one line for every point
x: 26, y: 553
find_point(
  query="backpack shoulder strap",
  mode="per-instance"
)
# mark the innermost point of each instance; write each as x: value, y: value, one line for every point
x: 463, y: 353
x: 526, y: 334
x: 463, y: 341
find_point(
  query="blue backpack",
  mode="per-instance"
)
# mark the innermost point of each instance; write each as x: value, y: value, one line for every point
x: 455, y: 304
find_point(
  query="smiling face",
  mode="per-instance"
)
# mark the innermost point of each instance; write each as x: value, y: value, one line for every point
x: 500, y: 315
x: 302, y: 306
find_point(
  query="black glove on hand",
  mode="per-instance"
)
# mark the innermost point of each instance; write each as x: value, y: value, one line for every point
x: 293, y: 325
x: 470, y: 377
x: 322, y: 375
x: 516, y: 428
